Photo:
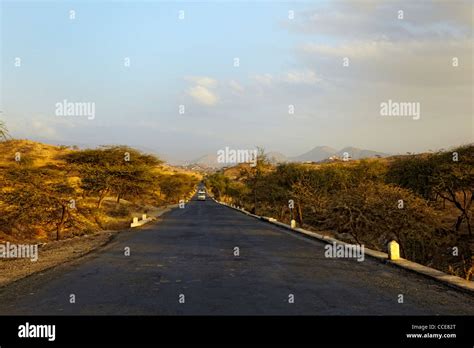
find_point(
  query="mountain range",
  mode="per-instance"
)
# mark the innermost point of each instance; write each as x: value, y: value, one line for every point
x: 317, y: 154
x: 209, y: 161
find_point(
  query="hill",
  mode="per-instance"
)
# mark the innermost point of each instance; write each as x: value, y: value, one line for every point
x: 49, y: 191
x: 317, y: 154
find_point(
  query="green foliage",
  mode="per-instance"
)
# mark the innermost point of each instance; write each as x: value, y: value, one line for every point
x: 371, y: 213
x: 175, y: 187
x: 54, y: 198
x: 120, y: 170
x: 254, y: 177
x: 414, y: 173
x: 112, y: 155
x: 360, y: 201
x: 218, y: 184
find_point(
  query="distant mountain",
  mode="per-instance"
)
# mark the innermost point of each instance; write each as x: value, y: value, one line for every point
x: 210, y: 160
x: 356, y: 153
x: 276, y: 157
x: 207, y: 161
x: 317, y: 154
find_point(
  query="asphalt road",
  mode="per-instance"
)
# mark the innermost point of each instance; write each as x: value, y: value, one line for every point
x: 191, y: 253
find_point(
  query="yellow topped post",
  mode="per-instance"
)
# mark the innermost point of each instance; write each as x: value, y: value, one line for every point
x: 393, y: 250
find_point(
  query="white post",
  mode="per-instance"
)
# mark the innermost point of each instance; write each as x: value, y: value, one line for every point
x: 293, y: 224
x: 144, y: 217
x: 393, y: 250
x: 135, y: 222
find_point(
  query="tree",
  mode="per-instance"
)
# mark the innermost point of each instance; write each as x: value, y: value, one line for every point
x: 312, y: 188
x: 37, y: 196
x: 3, y: 131
x: 218, y: 184
x: 413, y: 172
x: 176, y: 186
x: 121, y: 170
x: 449, y: 175
x: 131, y: 181
x: 453, y: 180
x: 96, y: 180
x: 278, y: 189
x: 253, y: 176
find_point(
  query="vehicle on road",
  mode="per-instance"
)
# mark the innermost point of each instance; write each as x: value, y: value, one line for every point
x: 201, y: 195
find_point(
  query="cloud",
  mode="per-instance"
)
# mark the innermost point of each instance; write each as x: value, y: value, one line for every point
x: 204, y: 81
x: 305, y: 77
x: 236, y: 87
x: 378, y: 20
x: 264, y: 79
x: 402, y: 60
x: 428, y: 62
x: 202, y: 91
x: 293, y: 77
x: 203, y: 95
x: 353, y: 49
x: 416, y: 50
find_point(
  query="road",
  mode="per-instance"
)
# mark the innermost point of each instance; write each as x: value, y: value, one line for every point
x: 191, y: 253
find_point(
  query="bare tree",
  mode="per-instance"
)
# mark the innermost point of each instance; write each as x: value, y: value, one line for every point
x: 4, y: 135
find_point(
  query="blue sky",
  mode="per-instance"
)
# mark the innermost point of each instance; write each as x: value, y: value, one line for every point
x: 190, y: 62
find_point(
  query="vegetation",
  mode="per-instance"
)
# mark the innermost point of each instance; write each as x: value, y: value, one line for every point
x: 38, y: 196
x: 120, y: 170
x: 51, y: 192
x: 446, y: 176
x: 177, y: 186
x: 422, y: 201
x: 3, y: 131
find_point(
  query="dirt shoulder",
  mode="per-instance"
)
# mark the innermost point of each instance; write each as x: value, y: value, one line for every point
x: 52, y: 254
x: 58, y: 252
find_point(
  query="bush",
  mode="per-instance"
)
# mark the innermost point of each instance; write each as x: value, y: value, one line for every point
x: 372, y: 201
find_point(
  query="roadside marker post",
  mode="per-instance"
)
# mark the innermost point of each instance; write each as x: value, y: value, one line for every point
x: 393, y: 250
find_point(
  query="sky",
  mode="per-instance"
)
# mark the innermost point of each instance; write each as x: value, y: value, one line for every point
x: 333, y: 63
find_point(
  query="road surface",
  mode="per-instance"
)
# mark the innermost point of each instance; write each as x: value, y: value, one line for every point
x: 191, y: 253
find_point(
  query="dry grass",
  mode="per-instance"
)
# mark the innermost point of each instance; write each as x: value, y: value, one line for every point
x: 90, y: 219
x: 37, y: 154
